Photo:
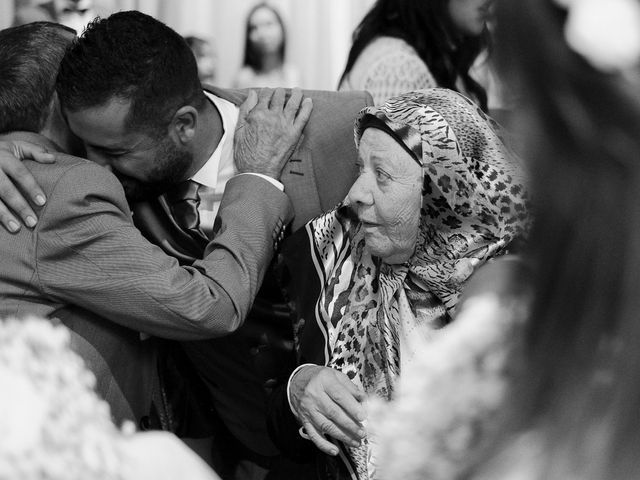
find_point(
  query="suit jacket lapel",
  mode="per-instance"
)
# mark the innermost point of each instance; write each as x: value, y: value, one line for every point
x: 300, y: 185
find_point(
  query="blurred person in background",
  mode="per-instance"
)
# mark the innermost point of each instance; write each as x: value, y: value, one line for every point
x: 572, y: 406
x: 404, y: 45
x: 75, y: 14
x: 28, y: 11
x: 206, y: 58
x: 264, y: 63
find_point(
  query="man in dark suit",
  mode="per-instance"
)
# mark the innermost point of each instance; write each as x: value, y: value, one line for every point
x: 177, y: 137
x: 86, y: 265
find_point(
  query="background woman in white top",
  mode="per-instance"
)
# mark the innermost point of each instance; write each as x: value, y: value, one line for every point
x: 404, y: 45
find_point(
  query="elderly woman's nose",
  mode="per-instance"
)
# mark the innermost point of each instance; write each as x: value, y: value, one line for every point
x: 360, y: 192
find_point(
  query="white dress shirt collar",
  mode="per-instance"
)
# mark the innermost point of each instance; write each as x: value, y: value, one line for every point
x: 220, y: 163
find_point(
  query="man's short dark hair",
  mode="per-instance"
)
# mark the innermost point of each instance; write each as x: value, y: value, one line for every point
x: 133, y: 57
x: 30, y: 57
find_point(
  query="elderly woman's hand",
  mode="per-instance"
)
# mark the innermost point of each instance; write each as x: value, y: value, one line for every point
x: 326, y: 402
x: 269, y: 129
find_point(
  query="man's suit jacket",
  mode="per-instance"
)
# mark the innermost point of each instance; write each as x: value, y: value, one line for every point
x: 239, y: 369
x: 88, y: 266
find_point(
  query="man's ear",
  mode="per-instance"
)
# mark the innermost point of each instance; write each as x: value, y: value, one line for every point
x: 183, y: 124
x: 56, y: 129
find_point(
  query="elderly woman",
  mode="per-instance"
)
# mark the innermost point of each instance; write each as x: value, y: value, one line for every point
x: 438, y: 195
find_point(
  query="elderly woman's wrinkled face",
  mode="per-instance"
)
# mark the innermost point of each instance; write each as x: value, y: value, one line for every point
x: 387, y: 196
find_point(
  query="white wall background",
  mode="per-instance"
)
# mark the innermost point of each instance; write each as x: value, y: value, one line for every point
x: 319, y: 31
x: 6, y: 13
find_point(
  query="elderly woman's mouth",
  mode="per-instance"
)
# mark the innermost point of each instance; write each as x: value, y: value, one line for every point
x: 367, y: 224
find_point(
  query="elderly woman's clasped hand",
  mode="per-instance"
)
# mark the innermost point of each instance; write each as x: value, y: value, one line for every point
x: 326, y: 402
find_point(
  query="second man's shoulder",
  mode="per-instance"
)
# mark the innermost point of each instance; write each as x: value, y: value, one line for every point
x: 63, y: 162
x: 78, y: 173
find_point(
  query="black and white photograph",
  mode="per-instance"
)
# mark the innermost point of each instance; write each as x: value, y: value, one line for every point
x: 319, y: 239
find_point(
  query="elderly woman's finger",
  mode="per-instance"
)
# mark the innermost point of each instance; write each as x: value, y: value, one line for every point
x: 319, y: 440
x: 303, y: 115
x: 293, y: 102
x: 324, y: 421
x: 264, y: 97
x: 352, y: 388
x: 351, y: 411
x: 277, y: 100
x: 341, y: 425
x: 248, y: 105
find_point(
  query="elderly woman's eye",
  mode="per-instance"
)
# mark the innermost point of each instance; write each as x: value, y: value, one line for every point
x: 382, y: 175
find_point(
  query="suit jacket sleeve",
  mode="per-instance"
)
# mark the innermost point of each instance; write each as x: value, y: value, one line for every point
x: 89, y: 254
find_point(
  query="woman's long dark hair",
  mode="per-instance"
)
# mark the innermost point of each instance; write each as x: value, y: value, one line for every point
x: 426, y: 26
x: 582, y: 388
x: 252, y: 57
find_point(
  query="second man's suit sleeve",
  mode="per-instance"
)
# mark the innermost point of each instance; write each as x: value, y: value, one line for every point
x: 89, y: 254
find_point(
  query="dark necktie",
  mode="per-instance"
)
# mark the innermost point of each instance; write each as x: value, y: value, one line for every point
x: 183, y: 200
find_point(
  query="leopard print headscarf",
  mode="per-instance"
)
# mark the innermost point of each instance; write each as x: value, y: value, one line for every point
x: 473, y: 205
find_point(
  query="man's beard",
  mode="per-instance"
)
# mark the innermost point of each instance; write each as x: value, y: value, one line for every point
x: 171, y: 167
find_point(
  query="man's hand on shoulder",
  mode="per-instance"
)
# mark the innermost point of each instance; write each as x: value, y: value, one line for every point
x: 269, y: 129
x: 15, y: 178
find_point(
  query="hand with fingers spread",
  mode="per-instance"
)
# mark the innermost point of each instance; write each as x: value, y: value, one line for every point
x: 327, y: 403
x: 269, y: 129
x: 15, y: 178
